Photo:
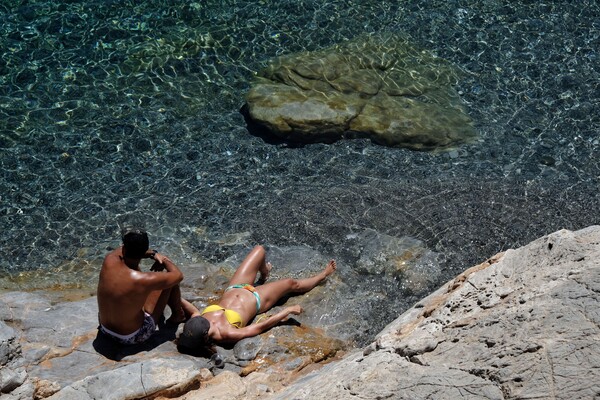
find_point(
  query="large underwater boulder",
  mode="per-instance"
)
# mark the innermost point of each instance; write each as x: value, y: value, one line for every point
x: 380, y: 87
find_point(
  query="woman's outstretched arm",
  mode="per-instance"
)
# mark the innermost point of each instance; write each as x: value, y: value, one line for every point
x: 235, y: 335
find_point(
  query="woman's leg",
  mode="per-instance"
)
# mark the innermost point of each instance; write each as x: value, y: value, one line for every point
x: 249, y: 268
x: 271, y: 293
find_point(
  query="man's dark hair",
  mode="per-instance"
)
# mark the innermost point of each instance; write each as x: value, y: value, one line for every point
x: 194, y: 337
x: 135, y: 243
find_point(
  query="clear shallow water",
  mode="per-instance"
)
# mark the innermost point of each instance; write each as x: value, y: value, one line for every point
x: 120, y: 113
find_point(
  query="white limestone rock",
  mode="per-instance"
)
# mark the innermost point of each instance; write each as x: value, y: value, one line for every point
x: 524, y: 324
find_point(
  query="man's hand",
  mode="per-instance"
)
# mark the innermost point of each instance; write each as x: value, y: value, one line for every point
x: 159, y: 263
x: 157, y: 267
x: 160, y: 258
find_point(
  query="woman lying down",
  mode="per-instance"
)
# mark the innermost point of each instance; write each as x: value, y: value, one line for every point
x: 226, y: 321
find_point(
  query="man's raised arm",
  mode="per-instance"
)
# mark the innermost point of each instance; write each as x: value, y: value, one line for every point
x: 171, y: 277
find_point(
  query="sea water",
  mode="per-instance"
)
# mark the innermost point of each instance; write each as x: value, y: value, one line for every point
x: 126, y: 113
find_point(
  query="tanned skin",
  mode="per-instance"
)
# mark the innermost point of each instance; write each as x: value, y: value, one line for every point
x: 125, y: 292
x: 244, y: 302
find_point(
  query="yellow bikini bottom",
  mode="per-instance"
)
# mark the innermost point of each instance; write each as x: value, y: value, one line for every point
x: 233, y: 317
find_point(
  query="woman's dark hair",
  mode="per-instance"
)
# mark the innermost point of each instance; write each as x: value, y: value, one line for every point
x: 135, y: 243
x: 194, y: 337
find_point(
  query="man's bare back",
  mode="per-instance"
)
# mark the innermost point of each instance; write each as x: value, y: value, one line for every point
x: 126, y: 294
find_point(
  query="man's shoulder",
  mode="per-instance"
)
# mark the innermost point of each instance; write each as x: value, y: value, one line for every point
x: 114, y: 258
x: 113, y: 267
x: 121, y: 279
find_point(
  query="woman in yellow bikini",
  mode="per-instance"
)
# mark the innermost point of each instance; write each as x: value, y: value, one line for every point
x: 227, y: 321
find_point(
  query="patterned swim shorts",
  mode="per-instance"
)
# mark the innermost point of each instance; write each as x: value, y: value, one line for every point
x: 139, y: 336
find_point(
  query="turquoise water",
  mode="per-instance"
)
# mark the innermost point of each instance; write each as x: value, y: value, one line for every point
x: 116, y: 113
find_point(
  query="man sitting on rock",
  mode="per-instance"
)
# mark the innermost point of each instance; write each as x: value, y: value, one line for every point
x: 225, y: 322
x: 131, y: 302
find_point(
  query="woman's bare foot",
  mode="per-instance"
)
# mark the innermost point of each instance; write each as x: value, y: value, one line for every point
x: 330, y: 268
x: 264, y: 272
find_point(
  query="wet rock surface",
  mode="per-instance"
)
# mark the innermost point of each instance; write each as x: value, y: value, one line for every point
x: 523, y: 324
x: 50, y: 347
x: 380, y: 87
x: 51, y: 354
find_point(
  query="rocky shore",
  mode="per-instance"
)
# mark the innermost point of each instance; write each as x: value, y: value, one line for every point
x: 523, y: 324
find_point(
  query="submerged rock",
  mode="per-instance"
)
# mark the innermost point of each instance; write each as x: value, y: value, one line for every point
x: 377, y: 86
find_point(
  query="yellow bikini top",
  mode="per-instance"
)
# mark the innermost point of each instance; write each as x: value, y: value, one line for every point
x: 233, y: 317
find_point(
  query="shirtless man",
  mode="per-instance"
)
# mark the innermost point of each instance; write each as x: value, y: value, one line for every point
x: 131, y: 302
x: 225, y: 322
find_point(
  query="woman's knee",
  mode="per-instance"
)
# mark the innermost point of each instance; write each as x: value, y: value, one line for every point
x: 292, y: 284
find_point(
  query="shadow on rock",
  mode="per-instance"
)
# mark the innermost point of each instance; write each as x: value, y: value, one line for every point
x: 112, y: 350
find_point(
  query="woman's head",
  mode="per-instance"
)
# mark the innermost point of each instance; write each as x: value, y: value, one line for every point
x: 194, y: 336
